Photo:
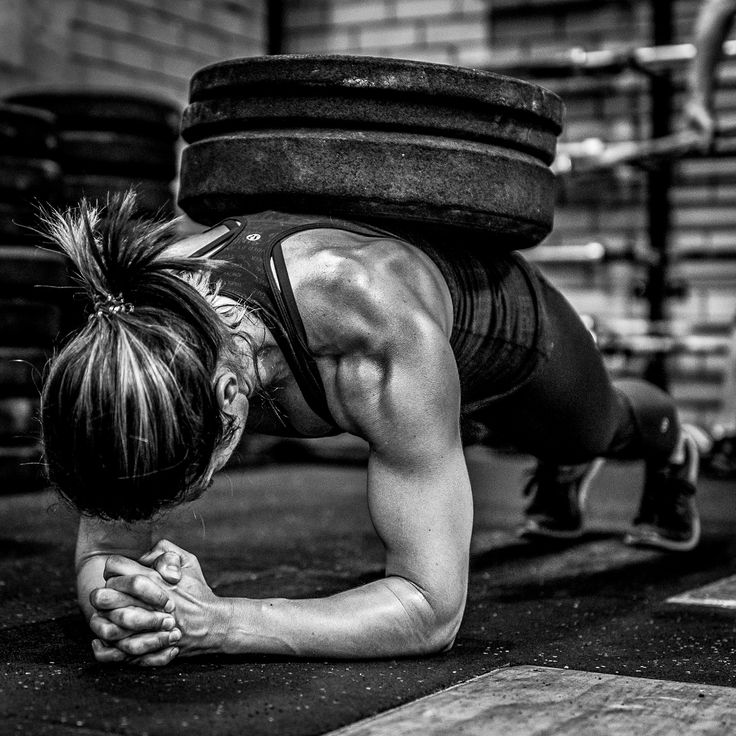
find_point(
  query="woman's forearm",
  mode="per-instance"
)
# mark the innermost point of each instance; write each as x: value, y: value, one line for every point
x: 89, y: 577
x: 388, y: 617
x: 96, y: 541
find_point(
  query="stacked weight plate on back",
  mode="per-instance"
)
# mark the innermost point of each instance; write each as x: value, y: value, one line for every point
x: 30, y: 316
x: 110, y: 141
x: 373, y: 139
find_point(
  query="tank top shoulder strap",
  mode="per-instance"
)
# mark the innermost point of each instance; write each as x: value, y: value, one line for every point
x: 211, y: 249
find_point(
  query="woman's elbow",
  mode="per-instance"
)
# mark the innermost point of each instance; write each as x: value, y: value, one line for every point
x: 438, y: 626
x: 441, y: 635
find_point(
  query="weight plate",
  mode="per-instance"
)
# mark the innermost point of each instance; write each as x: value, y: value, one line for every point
x: 372, y: 93
x: 428, y: 179
x: 116, y: 154
x: 18, y: 222
x: 22, y: 179
x: 18, y: 419
x: 33, y: 272
x: 223, y: 116
x: 21, y: 370
x: 27, y: 132
x: 21, y: 469
x: 105, y: 110
x: 28, y: 323
x: 153, y: 196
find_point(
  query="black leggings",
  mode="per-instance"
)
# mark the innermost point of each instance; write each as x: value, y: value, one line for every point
x: 570, y: 412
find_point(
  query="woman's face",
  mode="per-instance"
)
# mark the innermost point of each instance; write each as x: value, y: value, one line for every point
x: 235, y: 404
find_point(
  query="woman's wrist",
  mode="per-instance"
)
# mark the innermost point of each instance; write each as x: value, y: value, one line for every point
x: 247, y: 626
x: 220, y: 637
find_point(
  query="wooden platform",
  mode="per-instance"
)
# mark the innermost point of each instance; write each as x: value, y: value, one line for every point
x: 524, y: 701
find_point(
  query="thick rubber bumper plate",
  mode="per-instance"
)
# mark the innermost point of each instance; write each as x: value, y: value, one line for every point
x: 372, y: 138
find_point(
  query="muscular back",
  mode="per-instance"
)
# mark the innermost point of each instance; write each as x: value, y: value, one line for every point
x: 367, y: 303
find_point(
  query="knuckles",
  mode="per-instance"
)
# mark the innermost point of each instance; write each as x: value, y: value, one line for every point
x: 128, y: 619
x: 139, y: 584
x: 164, y: 546
x: 138, y: 647
x: 115, y: 561
x: 131, y: 647
x: 103, y: 628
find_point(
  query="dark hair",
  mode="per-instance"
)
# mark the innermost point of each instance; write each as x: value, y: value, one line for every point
x: 130, y: 419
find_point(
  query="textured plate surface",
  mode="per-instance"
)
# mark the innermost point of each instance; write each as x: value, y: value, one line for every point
x: 28, y: 323
x: 372, y: 93
x: 23, y: 178
x: 26, y: 270
x: 21, y: 370
x: 384, y: 175
x: 373, y: 138
x: 105, y: 110
x: 106, y: 152
x: 153, y: 195
x: 26, y: 131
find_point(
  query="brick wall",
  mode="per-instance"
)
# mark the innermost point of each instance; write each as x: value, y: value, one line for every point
x: 146, y: 45
x: 442, y: 31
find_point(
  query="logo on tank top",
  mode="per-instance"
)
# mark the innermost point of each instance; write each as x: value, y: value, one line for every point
x: 253, y: 236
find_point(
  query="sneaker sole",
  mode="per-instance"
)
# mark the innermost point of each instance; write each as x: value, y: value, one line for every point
x: 532, y: 529
x: 703, y: 440
x: 650, y: 539
x: 692, y: 473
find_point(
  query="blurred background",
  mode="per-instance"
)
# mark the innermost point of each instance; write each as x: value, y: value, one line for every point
x: 646, y: 249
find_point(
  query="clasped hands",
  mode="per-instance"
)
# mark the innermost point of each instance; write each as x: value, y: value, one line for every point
x: 153, y: 609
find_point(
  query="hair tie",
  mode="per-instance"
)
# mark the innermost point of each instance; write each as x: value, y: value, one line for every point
x: 110, y: 304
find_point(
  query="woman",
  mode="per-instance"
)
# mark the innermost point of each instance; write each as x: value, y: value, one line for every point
x: 290, y: 325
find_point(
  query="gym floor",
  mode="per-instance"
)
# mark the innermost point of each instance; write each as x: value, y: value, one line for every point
x: 593, y: 610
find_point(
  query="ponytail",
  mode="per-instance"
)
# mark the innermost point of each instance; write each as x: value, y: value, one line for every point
x: 129, y: 416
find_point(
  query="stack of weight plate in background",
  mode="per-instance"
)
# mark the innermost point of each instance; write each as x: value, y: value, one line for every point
x: 101, y: 142
x: 394, y: 141
x: 110, y: 141
x: 30, y: 317
x: 29, y: 169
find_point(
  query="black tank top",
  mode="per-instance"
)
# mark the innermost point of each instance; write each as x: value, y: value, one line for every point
x: 254, y: 272
x: 499, y: 337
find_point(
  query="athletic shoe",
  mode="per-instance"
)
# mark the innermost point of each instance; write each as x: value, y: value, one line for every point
x: 557, y: 496
x: 668, y: 517
x: 721, y: 460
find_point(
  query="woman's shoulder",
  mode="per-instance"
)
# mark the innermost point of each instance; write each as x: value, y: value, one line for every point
x: 369, y: 287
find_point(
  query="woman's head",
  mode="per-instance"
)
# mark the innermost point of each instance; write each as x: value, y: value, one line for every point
x: 130, y: 413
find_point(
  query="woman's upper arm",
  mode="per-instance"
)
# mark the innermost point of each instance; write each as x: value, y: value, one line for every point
x: 391, y: 377
x: 406, y: 403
